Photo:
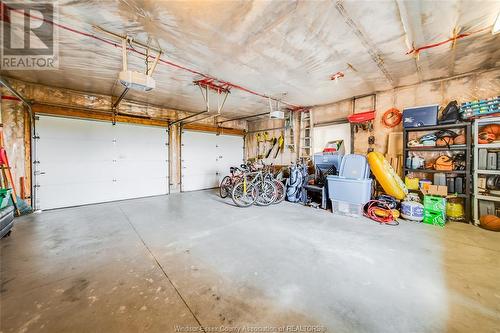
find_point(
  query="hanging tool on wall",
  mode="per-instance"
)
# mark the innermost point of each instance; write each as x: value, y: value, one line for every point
x: 262, y: 139
x: 281, y: 145
x: 274, y: 144
x: 362, y: 120
x: 371, y: 142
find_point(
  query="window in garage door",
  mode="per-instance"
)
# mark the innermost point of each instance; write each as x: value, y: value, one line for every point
x: 83, y: 162
x: 206, y: 158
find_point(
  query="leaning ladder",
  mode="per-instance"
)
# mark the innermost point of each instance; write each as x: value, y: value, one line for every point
x: 289, y: 131
x: 305, y: 134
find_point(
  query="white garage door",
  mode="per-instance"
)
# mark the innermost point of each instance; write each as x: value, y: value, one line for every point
x: 83, y: 162
x: 207, y: 157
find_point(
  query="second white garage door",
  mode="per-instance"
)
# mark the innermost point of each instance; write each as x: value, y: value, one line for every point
x: 207, y: 157
x: 82, y: 162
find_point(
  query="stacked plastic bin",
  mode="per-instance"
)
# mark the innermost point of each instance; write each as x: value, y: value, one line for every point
x: 351, y: 189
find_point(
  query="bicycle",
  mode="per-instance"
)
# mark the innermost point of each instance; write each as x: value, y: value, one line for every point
x: 227, y: 183
x: 244, y: 193
x: 275, y: 178
x: 253, y: 188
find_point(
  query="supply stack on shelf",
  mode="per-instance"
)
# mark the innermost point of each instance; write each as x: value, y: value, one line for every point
x: 440, y: 155
x: 486, y: 168
x: 480, y: 108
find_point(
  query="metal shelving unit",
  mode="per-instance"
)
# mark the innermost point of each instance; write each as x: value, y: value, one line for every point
x: 477, y: 195
x: 466, y: 148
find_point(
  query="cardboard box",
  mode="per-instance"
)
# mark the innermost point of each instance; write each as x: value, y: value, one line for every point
x: 434, y: 218
x: 434, y: 204
x: 438, y: 190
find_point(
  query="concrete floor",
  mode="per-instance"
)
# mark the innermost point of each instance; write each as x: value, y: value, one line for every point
x: 167, y: 264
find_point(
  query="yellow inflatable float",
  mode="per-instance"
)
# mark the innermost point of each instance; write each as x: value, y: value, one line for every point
x: 386, y: 176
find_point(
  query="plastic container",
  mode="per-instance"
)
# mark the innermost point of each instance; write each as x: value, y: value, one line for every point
x: 355, y: 191
x: 412, y: 211
x: 412, y: 183
x: 354, y: 166
x: 4, y: 197
x: 347, y: 208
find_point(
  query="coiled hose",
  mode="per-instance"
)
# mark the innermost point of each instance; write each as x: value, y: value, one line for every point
x: 384, y: 215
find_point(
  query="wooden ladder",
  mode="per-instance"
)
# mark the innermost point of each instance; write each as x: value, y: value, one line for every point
x: 305, y: 134
x: 7, y: 181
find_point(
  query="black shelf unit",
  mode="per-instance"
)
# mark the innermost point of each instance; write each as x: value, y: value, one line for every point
x: 467, y: 148
x: 458, y: 172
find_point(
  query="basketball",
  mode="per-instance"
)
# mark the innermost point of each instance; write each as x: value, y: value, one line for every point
x: 490, y: 222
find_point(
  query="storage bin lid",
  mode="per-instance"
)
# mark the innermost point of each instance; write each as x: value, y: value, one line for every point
x: 354, y: 166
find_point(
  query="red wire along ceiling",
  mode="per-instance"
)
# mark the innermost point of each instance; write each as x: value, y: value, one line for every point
x: 228, y: 85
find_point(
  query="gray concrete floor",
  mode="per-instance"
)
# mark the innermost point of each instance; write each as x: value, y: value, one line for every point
x: 172, y: 263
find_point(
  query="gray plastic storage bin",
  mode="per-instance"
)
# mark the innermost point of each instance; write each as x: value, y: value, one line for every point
x: 355, y: 191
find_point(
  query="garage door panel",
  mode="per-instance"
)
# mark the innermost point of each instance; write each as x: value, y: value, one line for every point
x: 76, y: 129
x: 69, y: 173
x: 230, y: 153
x: 138, y: 151
x: 199, y: 182
x: 198, y: 160
x: 84, y: 162
x: 206, y: 157
x: 63, y: 151
x: 56, y: 195
x: 136, y: 188
x: 144, y: 154
x: 140, y: 169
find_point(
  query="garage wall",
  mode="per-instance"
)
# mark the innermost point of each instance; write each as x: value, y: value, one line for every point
x: 462, y: 89
x: 287, y: 156
x: 13, y: 118
x: 15, y: 125
x: 473, y: 86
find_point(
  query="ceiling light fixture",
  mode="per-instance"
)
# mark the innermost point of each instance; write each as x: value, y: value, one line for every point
x: 337, y: 76
x: 496, y: 26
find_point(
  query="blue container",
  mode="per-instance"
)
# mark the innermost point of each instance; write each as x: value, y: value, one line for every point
x: 355, y: 191
x: 420, y: 116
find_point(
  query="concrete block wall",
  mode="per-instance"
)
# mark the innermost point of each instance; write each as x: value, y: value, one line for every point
x: 464, y: 88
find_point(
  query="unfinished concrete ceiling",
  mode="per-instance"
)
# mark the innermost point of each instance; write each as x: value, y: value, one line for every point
x: 272, y: 47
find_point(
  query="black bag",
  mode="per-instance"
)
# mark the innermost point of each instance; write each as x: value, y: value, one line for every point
x: 449, y: 114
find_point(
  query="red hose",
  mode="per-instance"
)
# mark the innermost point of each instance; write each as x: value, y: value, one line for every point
x: 374, y: 205
x: 392, y: 118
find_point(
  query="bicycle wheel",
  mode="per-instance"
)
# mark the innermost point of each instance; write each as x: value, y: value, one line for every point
x: 225, y: 187
x: 266, y: 193
x: 244, y: 198
x: 280, y: 191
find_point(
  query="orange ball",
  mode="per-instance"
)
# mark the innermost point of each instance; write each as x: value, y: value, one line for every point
x: 492, y: 128
x: 444, y: 141
x: 459, y: 140
x: 490, y: 222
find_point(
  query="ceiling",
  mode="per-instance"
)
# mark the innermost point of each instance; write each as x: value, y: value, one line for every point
x: 285, y: 49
